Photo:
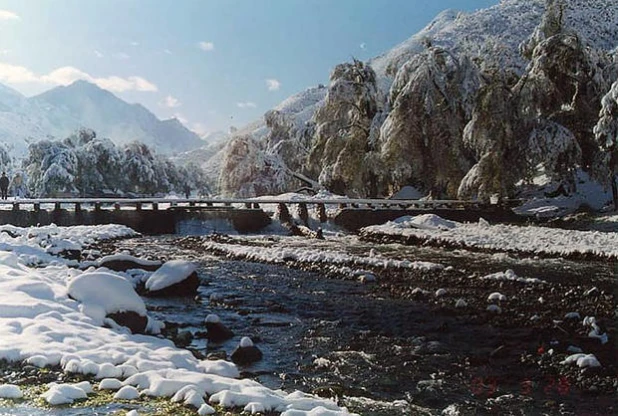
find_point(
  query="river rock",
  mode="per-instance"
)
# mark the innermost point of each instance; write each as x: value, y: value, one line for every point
x: 132, y: 320
x: 246, y: 353
x: 217, y: 332
x: 123, y: 262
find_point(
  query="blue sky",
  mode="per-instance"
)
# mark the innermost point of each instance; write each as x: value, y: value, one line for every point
x: 210, y: 63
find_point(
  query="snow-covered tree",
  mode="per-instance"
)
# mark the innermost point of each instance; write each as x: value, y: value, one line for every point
x: 421, y: 139
x: 342, y: 130
x: 51, y: 167
x: 247, y: 170
x: 606, y: 134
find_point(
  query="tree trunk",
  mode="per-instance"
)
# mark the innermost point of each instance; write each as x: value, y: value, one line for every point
x: 615, y: 192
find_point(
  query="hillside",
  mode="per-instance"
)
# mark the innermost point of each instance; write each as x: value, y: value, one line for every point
x: 62, y: 110
x: 473, y: 105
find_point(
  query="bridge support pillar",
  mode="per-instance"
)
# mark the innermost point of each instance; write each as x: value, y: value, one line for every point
x: 248, y: 205
x: 78, y: 207
x: 155, y: 206
x: 37, y: 207
x: 138, y: 206
x: 321, y: 211
x: 303, y: 213
x: 57, y: 206
x: 97, y: 206
x: 116, y: 206
x: 256, y: 205
x: 15, y: 207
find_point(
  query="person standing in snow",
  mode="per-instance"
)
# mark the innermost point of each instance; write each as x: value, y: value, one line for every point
x: 4, y: 186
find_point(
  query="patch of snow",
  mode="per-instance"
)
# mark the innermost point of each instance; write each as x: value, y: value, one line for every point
x: 127, y: 393
x: 172, y: 272
x: 496, y: 296
x: 10, y: 391
x: 110, y: 384
x: 246, y: 342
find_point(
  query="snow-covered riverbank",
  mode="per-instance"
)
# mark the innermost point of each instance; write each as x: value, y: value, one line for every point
x: 42, y: 325
x: 530, y: 240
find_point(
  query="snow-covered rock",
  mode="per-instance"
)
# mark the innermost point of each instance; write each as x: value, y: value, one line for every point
x: 174, y: 278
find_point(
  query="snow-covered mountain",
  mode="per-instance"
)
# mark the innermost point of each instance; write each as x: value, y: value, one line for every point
x: 470, y: 106
x: 62, y: 110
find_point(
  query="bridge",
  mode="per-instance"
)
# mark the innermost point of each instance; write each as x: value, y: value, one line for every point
x: 161, y: 215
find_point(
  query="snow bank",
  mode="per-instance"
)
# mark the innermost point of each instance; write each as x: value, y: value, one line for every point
x: 306, y: 255
x: 40, y: 323
x: 39, y: 245
x: 170, y: 273
x: 509, y: 238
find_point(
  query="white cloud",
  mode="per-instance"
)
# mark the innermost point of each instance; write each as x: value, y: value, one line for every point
x: 167, y: 51
x: 5, y: 51
x: 8, y: 15
x: 273, y: 84
x: 134, y: 43
x: 121, y: 55
x: 199, y: 128
x: 14, y: 74
x: 98, y: 54
x: 171, y: 102
x: 206, y: 46
x: 246, y: 104
x: 181, y: 118
x: 363, y: 45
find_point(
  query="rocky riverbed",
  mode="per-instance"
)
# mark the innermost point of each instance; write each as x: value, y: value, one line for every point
x: 470, y: 337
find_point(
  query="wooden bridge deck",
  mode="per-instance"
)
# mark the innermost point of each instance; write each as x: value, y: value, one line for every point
x: 77, y: 204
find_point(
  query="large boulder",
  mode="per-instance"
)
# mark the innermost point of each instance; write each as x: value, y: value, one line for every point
x: 174, y: 278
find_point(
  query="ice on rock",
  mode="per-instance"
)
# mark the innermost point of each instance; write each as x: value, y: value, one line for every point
x: 440, y: 292
x: 132, y: 413
x: 212, y: 319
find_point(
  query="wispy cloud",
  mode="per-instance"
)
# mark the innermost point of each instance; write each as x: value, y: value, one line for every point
x: 181, y: 118
x: 363, y: 45
x: 167, y: 51
x: 199, y: 128
x: 171, y: 102
x: 122, y: 56
x: 134, y: 43
x: 4, y: 52
x: 246, y: 104
x: 206, y: 46
x: 273, y: 84
x: 8, y: 15
x: 14, y: 74
x: 98, y: 54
